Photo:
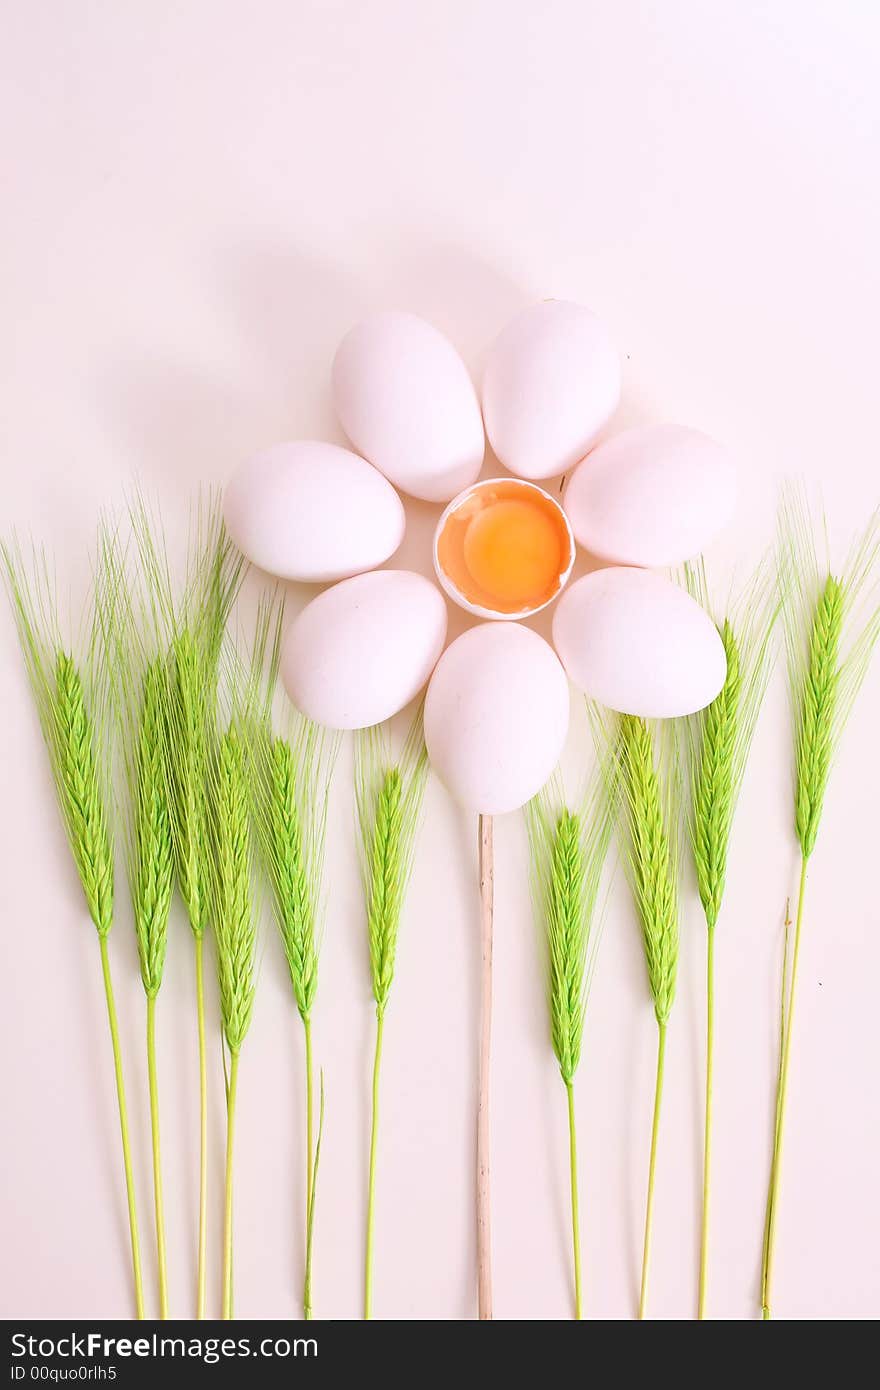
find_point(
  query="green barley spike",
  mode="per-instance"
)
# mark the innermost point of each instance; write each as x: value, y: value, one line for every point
x: 652, y: 862
x: 719, y: 740
x: 567, y: 944
x: 832, y: 626
x: 385, y: 886
x: 389, y: 796
x: 293, y: 891
x: 714, y: 791
x: 815, y: 737
x: 69, y: 709
x: 568, y: 849
x: 82, y: 803
x: 190, y: 773
x: 154, y: 851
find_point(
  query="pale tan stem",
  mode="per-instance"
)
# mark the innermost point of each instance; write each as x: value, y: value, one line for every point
x: 487, y: 910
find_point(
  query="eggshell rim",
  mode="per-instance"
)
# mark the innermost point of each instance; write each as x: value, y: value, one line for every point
x: 450, y: 589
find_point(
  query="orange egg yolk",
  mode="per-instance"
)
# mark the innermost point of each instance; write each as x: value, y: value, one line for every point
x: 505, y: 547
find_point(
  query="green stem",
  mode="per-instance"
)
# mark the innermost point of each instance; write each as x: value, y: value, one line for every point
x: 123, y: 1125
x: 782, y: 1091
x: 575, y: 1218
x: 157, y: 1155
x: 782, y: 1013
x: 227, y: 1219
x: 707, y: 1143
x: 310, y: 1137
x: 310, y: 1220
x: 649, y: 1207
x: 201, y: 1292
x: 307, y: 1284
x: 374, y: 1132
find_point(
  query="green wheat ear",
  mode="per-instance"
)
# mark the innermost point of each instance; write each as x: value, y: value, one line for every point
x: 650, y: 802
x: 234, y: 921
x: 290, y: 774
x: 141, y: 701
x: 720, y: 736
x: 388, y: 796
x: 235, y: 930
x: 80, y: 790
x: 189, y: 622
x: 713, y: 788
x: 155, y: 856
x: 568, y: 933
x: 815, y: 739
x: 190, y: 725
x: 71, y: 702
x: 568, y: 851
x: 832, y: 625
x: 642, y: 772
x: 192, y: 628
x: 293, y: 890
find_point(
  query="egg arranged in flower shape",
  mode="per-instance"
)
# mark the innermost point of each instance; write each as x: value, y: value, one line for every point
x: 405, y: 400
x: 361, y: 651
x: 551, y: 383
x: 496, y: 716
x: 639, y: 644
x: 496, y: 709
x: 652, y: 496
x: 313, y: 512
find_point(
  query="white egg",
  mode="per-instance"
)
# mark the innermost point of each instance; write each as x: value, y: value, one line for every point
x: 552, y: 381
x: 406, y: 401
x: 639, y: 644
x: 313, y: 512
x: 362, y: 650
x: 496, y: 716
x: 654, y: 496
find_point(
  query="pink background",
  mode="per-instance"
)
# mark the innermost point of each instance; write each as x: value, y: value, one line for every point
x: 198, y: 201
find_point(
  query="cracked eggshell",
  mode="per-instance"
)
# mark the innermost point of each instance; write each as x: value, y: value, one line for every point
x: 313, y: 512
x: 639, y: 644
x: 653, y: 496
x: 362, y: 650
x: 496, y: 716
x: 405, y: 399
x: 551, y: 382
